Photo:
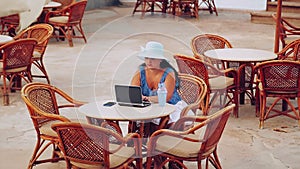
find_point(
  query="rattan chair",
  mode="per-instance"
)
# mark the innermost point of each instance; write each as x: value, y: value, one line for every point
x: 196, y: 143
x: 152, y: 6
x: 291, y: 51
x: 210, y: 4
x: 42, y: 33
x: 219, y: 83
x: 204, y: 42
x: 15, y: 64
x: 89, y: 146
x: 193, y: 91
x: 185, y: 7
x: 67, y: 19
x: 287, y: 31
x: 44, y: 103
x: 280, y: 80
x: 9, y: 24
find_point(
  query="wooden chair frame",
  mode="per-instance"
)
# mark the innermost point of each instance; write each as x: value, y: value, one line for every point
x: 67, y: 19
x: 85, y: 145
x: 9, y: 24
x: 206, y: 71
x: 15, y: 63
x: 42, y: 33
x: 279, y: 79
x: 287, y: 31
x: 291, y: 51
x: 150, y: 6
x: 211, y: 6
x: 44, y: 103
x: 212, y: 128
x: 186, y: 7
x: 204, y: 42
x: 193, y: 91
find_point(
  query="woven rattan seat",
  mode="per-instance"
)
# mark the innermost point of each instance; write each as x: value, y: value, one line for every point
x: 88, y: 146
x: 42, y: 33
x: 196, y: 143
x: 44, y: 103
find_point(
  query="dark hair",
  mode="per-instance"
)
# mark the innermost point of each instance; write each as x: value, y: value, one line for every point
x: 165, y: 64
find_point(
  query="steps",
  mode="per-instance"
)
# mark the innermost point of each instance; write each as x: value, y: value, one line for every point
x: 290, y: 11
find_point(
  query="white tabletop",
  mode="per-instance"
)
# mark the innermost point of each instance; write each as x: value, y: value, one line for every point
x: 125, y: 113
x: 240, y: 54
x: 52, y: 4
x: 5, y: 39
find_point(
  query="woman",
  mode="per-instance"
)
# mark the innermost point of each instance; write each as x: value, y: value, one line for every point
x: 155, y: 70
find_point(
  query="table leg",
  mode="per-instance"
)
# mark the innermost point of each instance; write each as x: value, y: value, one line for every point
x: 284, y: 105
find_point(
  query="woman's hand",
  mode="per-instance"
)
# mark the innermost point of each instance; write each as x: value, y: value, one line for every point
x: 152, y: 99
x: 146, y: 98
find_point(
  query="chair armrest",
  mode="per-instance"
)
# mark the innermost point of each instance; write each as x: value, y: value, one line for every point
x: 51, y: 116
x: 63, y: 12
x: 71, y: 102
x: 180, y: 125
x: 230, y: 72
x: 293, y: 27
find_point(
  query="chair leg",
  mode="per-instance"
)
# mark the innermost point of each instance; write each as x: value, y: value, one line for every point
x: 262, y: 111
x: 40, y: 65
x: 236, y: 101
x: 38, y: 151
x: 69, y: 36
x: 5, y: 92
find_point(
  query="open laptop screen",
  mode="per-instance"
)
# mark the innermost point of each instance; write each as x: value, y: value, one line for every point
x: 128, y: 94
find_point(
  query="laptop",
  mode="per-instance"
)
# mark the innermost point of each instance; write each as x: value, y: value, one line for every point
x: 130, y: 96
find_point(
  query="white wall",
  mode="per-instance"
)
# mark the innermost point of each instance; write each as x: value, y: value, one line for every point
x: 234, y: 4
x: 241, y: 4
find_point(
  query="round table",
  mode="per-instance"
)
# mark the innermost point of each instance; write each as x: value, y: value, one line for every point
x: 118, y: 113
x: 242, y: 56
x: 52, y: 4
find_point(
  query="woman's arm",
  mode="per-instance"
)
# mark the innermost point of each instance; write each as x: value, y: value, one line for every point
x: 136, y: 79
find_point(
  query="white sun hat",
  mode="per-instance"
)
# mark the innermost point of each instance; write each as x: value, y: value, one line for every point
x: 154, y: 50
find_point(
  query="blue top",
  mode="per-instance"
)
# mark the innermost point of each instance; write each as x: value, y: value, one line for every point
x: 146, y: 91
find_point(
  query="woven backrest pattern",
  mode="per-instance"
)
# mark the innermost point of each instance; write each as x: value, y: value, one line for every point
x: 281, y: 77
x: 40, y: 32
x: 17, y: 53
x: 192, y: 66
x: 77, y: 11
x: 84, y: 144
x: 190, y: 89
x: 43, y: 99
x: 205, y: 42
